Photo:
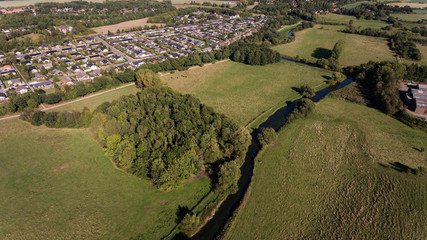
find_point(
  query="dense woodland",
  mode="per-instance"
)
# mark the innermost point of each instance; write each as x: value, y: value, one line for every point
x: 166, y: 136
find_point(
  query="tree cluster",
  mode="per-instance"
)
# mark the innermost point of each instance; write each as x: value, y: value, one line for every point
x: 403, y: 46
x: 379, y: 82
x: 165, y: 136
x: 73, y: 119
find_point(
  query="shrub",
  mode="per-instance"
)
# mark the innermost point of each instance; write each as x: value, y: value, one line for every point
x: 267, y: 136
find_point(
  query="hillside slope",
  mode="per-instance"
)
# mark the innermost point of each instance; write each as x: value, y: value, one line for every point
x: 337, y: 175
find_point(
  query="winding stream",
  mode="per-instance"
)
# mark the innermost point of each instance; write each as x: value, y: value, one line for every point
x: 276, y: 121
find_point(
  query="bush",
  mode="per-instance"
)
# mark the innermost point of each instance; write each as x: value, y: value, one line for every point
x: 303, y: 108
x: 267, y: 136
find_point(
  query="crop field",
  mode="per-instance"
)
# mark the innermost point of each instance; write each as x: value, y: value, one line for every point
x: 241, y: 91
x: 353, y: 5
x: 58, y: 184
x: 410, y: 4
x: 123, y: 25
x: 410, y: 17
x: 180, y: 2
x: 19, y: 3
x: 338, y: 175
x: 362, y: 23
x: 317, y: 43
x: 95, y: 101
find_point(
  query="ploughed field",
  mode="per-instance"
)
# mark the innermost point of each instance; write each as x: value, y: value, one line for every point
x: 343, y: 172
x: 58, y: 184
x: 241, y: 91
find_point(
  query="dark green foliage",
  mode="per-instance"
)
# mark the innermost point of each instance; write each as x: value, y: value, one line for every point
x: 303, y: 108
x: 405, y: 47
x: 253, y: 54
x: 37, y: 118
x: 306, y: 91
x: 379, y: 82
x: 72, y: 119
x: 166, y: 136
x: 145, y: 78
x: 228, y: 176
x: 189, y: 224
x: 337, y: 50
x: 267, y: 136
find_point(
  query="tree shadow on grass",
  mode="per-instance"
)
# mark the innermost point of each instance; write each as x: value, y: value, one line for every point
x: 321, y: 53
x: 400, y: 167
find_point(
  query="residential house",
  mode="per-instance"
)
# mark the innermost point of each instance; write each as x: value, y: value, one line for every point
x: 39, y: 76
x: 2, y: 96
x: 65, y: 28
x: 14, y: 82
x: 56, y: 72
x: 82, y: 76
x: 44, y: 84
x: 65, y: 80
x: 21, y: 89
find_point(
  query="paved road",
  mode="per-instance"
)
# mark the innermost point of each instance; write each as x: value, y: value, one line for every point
x: 114, y: 50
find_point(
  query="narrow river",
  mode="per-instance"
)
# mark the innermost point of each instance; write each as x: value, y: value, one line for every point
x: 227, y: 208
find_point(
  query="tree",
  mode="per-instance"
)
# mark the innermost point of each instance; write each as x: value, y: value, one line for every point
x: 337, y: 50
x: 306, y: 91
x: 189, y: 224
x: 145, y: 78
x: 228, y: 176
x: 267, y: 136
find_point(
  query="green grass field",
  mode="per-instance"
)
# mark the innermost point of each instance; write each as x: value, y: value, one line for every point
x: 362, y: 23
x: 94, y: 102
x: 353, y: 5
x: 410, y: 17
x: 58, y: 184
x: 322, y: 179
x: 241, y: 91
x: 19, y: 3
x: 317, y: 42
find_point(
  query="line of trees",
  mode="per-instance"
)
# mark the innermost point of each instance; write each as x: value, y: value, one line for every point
x: 378, y: 81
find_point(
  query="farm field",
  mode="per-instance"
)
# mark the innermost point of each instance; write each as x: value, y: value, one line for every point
x: 336, y: 175
x: 317, y: 43
x: 241, y: 91
x: 362, y: 23
x: 94, y: 102
x: 410, y: 4
x: 19, y: 3
x: 123, y: 25
x: 353, y: 5
x: 180, y: 2
x: 410, y: 17
x: 58, y: 184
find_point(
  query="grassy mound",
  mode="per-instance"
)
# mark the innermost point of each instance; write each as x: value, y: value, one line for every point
x: 339, y: 174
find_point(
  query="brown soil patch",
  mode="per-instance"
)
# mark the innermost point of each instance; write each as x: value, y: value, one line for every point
x: 64, y: 166
x: 274, y: 144
x: 147, y: 208
x: 18, y: 181
x: 165, y: 202
x: 197, y: 177
x: 123, y: 25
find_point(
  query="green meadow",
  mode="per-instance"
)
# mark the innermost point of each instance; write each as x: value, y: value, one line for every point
x: 317, y: 42
x: 344, y: 19
x: 241, y: 91
x: 93, y: 102
x: 58, y: 184
x: 338, y: 175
